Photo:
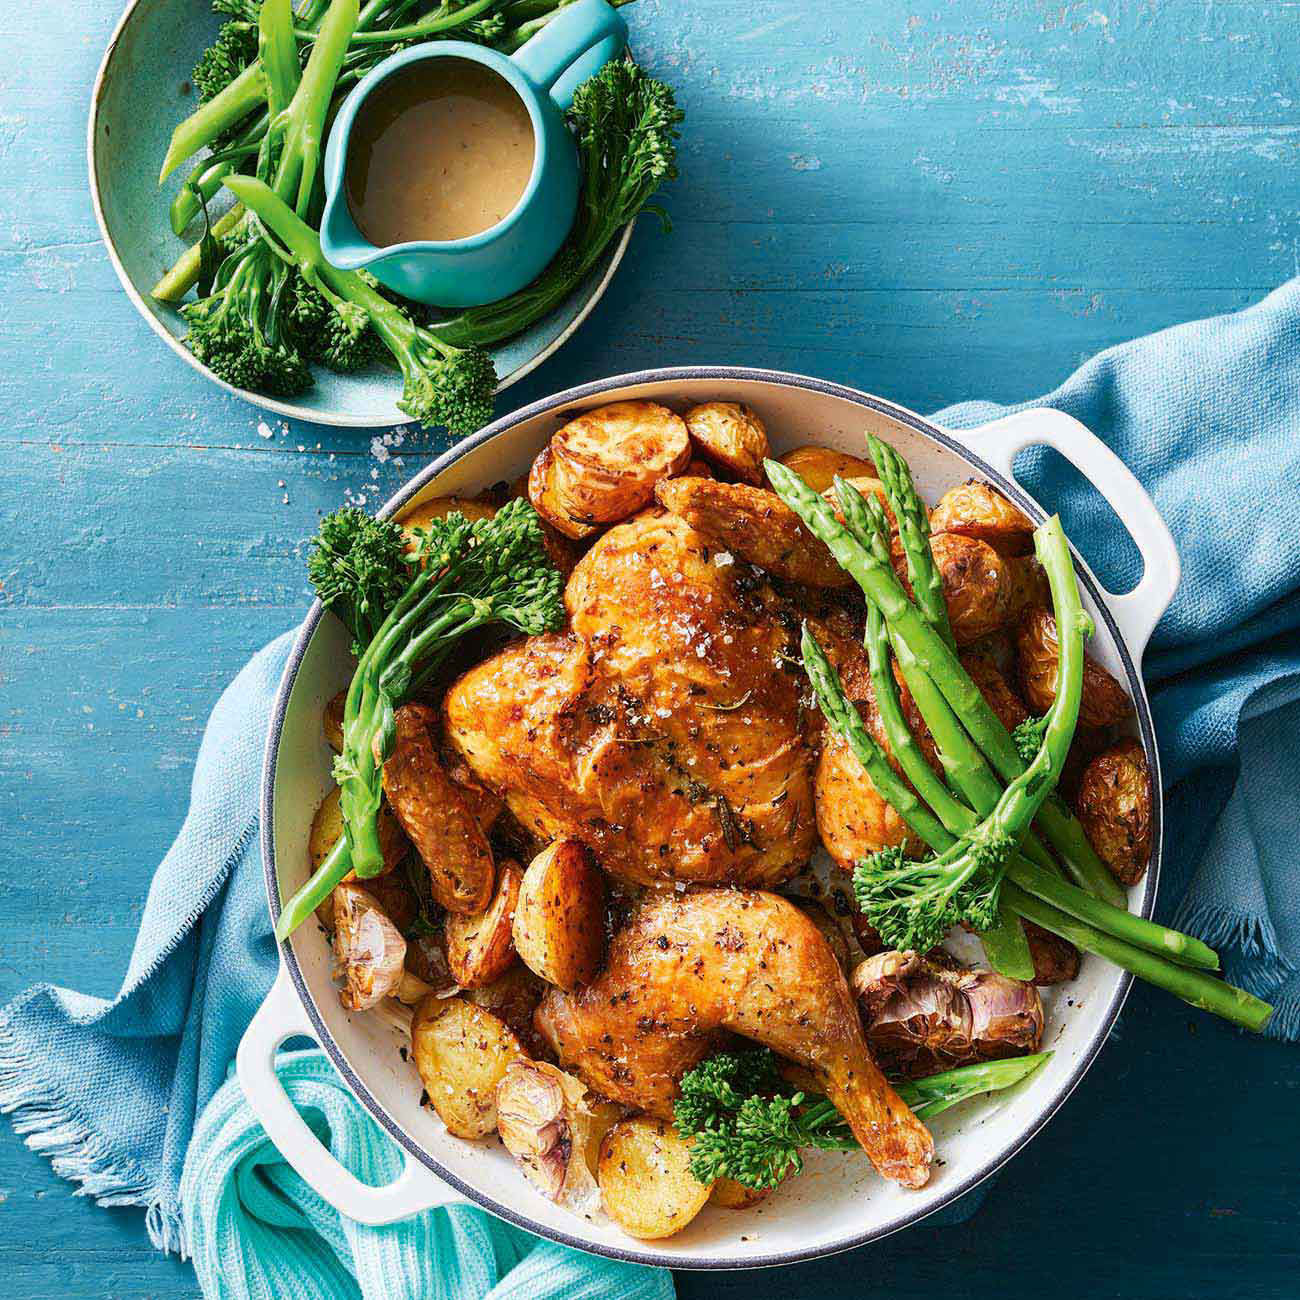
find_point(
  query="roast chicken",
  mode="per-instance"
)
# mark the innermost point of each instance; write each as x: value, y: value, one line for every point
x: 665, y: 727
x: 688, y: 966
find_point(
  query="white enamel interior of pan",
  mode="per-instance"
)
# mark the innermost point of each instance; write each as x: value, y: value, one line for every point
x: 838, y: 1201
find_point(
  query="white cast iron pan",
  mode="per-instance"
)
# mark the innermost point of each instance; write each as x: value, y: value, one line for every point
x: 838, y: 1202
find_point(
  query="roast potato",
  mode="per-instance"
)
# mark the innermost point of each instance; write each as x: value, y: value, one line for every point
x: 755, y: 525
x: 332, y: 721
x: 480, y: 946
x: 1056, y: 960
x: 730, y: 436
x: 512, y: 998
x: 559, y: 926
x: 541, y: 492
x: 420, y: 516
x: 433, y: 812
x: 696, y: 468
x: 977, y: 587
x: 606, y: 462
x: 462, y: 1053
x: 731, y: 1195
x: 852, y: 819
x: 818, y: 466
x: 1114, y: 806
x: 1104, y: 702
x: 977, y: 510
x: 546, y: 1123
x: 645, y: 1178
x: 391, y: 889
x: 369, y: 951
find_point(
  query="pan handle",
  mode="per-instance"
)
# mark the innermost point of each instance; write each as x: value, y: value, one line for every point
x: 1138, y: 611
x: 282, y: 1016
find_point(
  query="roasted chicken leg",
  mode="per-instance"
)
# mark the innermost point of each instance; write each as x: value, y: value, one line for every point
x: 687, y: 966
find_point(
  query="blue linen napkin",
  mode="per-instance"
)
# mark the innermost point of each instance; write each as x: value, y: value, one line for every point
x: 1207, y: 415
x: 257, y: 1230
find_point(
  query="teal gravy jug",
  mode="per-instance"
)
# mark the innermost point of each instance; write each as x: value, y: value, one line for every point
x: 481, y: 268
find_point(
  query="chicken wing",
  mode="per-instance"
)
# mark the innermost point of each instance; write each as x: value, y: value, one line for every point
x: 689, y: 966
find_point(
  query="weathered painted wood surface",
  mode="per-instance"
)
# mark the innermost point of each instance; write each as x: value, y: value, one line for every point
x: 931, y: 201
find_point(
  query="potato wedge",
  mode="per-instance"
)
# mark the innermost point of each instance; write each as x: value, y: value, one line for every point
x: 730, y: 436
x: 545, y: 1122
x: 731, y: 1195
x: 461, y: 1053
x: 480, y: 946
x: 645, y: 1179
x: 607, y: 461
x: 541, y: 492
x: 818, y: 466
x: 755, y: 525
x: 559, y: 927
x: 433, y: 812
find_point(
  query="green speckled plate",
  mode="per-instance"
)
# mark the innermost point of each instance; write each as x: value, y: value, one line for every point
x: 141, y: 92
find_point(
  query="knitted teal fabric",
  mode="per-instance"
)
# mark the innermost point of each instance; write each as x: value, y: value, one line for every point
x: 258, y: 1232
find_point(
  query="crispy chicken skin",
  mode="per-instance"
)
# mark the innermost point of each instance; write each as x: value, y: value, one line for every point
x: 665, y: 729
x: 754, y: 524
x: 688, y: 966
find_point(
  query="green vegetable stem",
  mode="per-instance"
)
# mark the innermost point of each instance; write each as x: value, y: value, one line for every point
x: 463, y: 575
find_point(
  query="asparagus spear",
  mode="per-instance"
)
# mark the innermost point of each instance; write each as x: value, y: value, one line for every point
x: 941, y: 834
x: 962, y: 762
x: 1192, y: 986
x: 939, y: 661
x: 914, y: 532
x: 1005, y: 944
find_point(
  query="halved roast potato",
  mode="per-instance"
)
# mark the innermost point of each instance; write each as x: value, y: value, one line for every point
x: 559, y: 926
x: 730, y: 436
x: 645, y: 1178
x: 818, y: 466
x: 461, y: 1053
x: 977, y: 510
x: 605, y: 462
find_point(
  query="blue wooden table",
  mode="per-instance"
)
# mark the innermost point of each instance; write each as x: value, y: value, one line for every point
x: 931, y: 201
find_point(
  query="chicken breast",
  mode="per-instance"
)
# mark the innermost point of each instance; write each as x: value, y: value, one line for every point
x: 665, y: 729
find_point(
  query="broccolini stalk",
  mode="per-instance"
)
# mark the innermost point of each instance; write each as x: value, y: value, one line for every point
x: 913, y: 904
x: 1045, y: 885
x: 742, y: 1126
x: 466, y: 575
x: 1005, y: 944
x: 625, y: 122
x: 922, y: 645
x: 1194, y: 987
x: 442, y: 384
x: 914, y: 533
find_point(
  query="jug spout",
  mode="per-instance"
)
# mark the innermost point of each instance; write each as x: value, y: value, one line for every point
x: 342, y: 243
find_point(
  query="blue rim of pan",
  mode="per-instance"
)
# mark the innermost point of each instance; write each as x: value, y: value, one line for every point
x: 557, y: 404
